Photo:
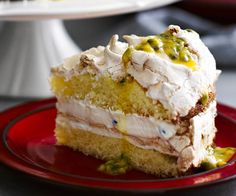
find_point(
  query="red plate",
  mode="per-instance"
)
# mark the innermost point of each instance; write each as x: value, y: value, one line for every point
x: 28, y: 145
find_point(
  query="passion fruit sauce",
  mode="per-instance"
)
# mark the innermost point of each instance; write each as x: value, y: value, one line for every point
x: 116, y: 166
x: 166, y: 43
x: 218, y: 157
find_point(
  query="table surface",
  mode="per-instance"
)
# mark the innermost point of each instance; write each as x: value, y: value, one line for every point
x: 16, y: 183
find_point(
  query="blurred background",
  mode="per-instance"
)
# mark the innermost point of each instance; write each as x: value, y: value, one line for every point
x: 214, y: 20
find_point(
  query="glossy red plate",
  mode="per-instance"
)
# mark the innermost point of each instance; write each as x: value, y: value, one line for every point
x: 28, y: 144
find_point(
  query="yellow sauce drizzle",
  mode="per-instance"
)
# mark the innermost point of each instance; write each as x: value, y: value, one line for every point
x: 166, y: 43
x: 116, y: 166
x: 222, y: 156
x: 126, y: 56
x: 175, y: 48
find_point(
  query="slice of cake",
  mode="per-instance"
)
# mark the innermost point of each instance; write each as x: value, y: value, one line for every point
x: 149, y: 99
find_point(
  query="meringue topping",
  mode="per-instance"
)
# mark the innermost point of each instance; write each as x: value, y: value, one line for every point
x: 174, y: 68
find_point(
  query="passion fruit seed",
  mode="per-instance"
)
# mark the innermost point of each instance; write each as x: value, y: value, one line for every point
x: 204, y: 99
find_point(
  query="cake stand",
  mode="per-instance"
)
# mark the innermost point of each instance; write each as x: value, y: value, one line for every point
x: 33, y: 38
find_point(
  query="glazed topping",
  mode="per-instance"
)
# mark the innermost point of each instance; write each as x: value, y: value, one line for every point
x: 218, y: 157
x: 116, y: 166
x: 175, y: 48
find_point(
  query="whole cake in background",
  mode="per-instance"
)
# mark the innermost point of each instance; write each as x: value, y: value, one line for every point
x: 149, y: 100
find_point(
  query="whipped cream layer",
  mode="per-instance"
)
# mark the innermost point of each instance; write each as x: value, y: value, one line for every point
x: 130, y: 124
x: 146, y: 133
x: 176, y: 86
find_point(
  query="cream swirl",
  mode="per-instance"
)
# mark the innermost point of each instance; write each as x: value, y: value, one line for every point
x: 100, y: 60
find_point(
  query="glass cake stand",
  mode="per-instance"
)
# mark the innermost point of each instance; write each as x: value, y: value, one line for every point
x: 33, y: 38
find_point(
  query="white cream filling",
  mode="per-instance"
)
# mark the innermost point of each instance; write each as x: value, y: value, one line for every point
x: 176, y: 86
x: 86, y: 127
x: 103, y: 131
x: 131, y: 124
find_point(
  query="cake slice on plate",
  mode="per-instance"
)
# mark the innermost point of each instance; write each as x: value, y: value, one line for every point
x: 150, y: 99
